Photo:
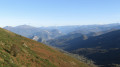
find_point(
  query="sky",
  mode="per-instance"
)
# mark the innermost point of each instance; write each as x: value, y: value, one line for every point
x: 58, y: 12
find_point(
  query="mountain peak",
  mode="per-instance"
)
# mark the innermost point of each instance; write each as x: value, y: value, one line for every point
x: 25, y: 26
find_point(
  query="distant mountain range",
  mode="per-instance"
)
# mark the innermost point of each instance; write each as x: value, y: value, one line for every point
x: 46, y: 33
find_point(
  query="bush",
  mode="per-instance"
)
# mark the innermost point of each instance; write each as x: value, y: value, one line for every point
x: 14, y: 50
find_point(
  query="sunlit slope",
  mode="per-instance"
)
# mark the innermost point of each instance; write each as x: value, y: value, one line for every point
x: 18, y: 51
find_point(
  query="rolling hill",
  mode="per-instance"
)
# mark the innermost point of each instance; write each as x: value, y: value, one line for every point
x: 19, y: 51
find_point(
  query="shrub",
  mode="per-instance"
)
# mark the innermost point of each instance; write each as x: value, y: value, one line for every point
x: 14, y: 50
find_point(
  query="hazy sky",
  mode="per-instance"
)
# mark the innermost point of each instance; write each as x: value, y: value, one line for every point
x: 58, y: 12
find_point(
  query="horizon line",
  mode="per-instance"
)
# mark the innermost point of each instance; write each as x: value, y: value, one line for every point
x: 58, y: 25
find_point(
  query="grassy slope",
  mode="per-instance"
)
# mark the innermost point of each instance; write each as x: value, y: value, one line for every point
x: 31, y: 53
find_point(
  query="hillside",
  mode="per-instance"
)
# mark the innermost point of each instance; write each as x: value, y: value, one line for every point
x: 103, y: 49
x: 18, y: 51
x: 63, y: 41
